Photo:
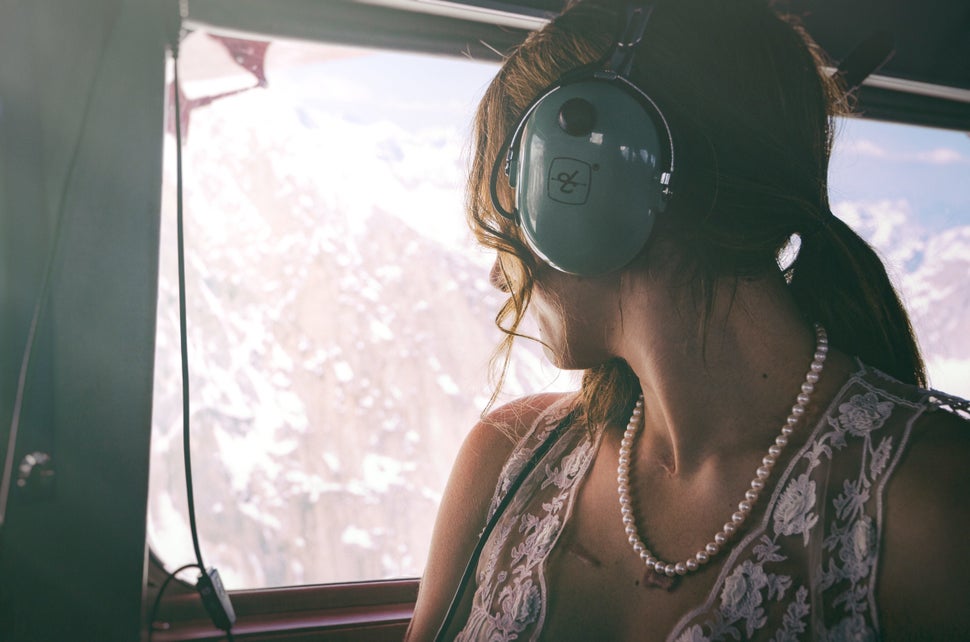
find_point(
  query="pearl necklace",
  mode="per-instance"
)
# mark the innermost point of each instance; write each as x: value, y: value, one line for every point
x: 750, y: 497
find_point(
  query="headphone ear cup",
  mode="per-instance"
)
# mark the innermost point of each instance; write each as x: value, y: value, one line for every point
x: 591, y: 176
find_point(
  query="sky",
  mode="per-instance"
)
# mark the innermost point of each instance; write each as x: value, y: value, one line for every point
x: 927, y: 167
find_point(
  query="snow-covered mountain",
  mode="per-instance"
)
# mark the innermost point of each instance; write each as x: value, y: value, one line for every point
x: 931, y: 269
x: 340, y: 325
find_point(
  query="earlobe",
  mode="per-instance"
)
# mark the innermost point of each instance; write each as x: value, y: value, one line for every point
x: 498, y: 278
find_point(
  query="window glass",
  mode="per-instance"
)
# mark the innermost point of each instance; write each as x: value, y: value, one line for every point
x: 904, y: 189
x: 340, y: 318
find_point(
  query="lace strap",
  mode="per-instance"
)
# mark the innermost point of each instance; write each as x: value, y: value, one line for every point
x: 547, y: 421
x: 551, y: 436
x: 954, y: 405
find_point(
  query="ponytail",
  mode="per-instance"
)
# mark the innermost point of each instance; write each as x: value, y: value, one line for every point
x: 839, y: 281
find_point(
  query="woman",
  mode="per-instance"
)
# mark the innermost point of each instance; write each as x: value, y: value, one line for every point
x: 736, y: 465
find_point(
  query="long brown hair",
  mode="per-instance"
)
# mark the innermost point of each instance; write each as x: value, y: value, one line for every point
x: 747, y: 89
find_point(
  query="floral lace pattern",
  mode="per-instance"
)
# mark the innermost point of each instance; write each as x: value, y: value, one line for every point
x: 508, y: 602
x: 805, y: 571
x: 837, y: 530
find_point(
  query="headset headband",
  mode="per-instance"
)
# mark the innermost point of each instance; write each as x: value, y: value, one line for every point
x: 625, y: 49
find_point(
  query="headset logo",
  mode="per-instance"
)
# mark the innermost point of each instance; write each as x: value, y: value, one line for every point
x: 569, y: 181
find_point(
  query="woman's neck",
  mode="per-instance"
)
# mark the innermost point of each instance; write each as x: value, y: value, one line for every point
x: 718, y: 390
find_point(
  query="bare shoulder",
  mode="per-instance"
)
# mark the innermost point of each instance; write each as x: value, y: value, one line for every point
x: 465, y: 503
x: 516, y: 418
x: 926, y: 561
x: 490, y: 442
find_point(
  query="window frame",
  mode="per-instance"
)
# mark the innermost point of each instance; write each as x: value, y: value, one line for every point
x: 378, y: 609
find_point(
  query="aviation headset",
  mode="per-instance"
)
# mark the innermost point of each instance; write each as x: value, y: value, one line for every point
x: 591, y: 162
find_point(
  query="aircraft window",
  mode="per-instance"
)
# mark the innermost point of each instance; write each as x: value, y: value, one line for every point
x: 340, y: 318
x: 903, y: 188
x: 339, y: 313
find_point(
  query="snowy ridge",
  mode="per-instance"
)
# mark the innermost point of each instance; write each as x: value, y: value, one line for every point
x: 340, y: 326
x: 931, y: 270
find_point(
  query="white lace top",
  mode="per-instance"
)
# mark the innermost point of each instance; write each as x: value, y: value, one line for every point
x: 807, y: 570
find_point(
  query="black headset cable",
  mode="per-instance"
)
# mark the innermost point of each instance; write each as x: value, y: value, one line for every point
x: 214, y: 596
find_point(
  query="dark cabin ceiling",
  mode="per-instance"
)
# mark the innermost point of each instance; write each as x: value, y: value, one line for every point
x: 932, y: 36
x: 926, y: 82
